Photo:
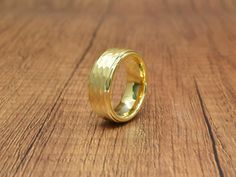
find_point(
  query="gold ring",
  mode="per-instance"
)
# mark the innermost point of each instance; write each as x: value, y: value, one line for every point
x: 101, y: 78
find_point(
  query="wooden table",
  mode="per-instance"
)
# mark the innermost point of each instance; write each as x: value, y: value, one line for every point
x: 187, y: 126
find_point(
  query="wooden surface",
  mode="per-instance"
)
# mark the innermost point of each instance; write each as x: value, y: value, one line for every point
x: 187, y: 126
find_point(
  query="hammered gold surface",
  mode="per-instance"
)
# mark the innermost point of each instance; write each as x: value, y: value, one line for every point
x: 100, y: 81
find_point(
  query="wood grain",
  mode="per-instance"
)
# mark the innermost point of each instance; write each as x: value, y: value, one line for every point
x: 187, y: 126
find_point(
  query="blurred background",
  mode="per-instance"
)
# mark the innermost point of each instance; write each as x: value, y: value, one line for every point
x: 187, y: 124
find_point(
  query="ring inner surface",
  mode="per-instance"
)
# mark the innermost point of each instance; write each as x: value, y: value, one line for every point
x: 133, y: 93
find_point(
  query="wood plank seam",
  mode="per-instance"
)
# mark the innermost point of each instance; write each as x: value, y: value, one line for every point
x: 209, y: 129
x: 55, y: 106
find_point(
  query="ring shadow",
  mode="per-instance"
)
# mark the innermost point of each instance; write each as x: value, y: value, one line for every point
x: 113, y: 125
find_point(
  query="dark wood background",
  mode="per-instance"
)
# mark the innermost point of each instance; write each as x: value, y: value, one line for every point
x: 187, y: 126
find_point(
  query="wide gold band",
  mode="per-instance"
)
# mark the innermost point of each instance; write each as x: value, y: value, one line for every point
x: 100, y: 82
